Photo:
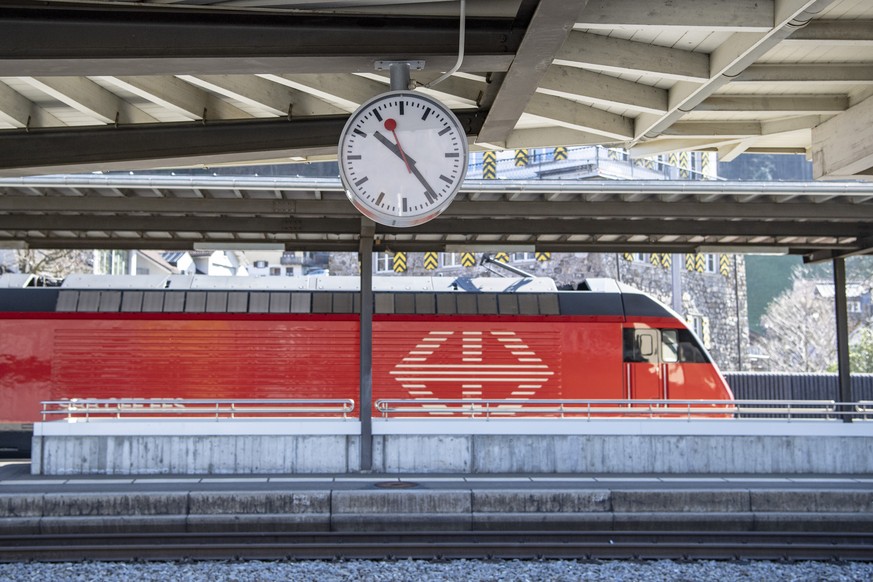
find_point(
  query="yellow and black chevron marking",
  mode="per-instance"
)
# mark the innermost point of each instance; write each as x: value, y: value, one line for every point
x: 684, y: 165
x: 724, y: 265
x: 666, y: 260
x: 489, y: 166
x: 431, y: 261
x: 560, y: 153
x: 655, y: 259
x: 673, y: 159
x: 503, y: 257
x: 468, y: 259
x: 612, y: 154
x: 706, y: 164
x: 543, y: 257
x: 689, y: 262
x: 628, y: 257
x: 521, y: 157
x: 399, y: 262
x: 699, y: 262
x: 649, y: 163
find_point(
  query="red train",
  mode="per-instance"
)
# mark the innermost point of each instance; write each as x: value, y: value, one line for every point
x: 207, y: 337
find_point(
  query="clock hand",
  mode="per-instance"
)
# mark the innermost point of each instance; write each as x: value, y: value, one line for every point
x: 410, y: 164
x: 391, y: 125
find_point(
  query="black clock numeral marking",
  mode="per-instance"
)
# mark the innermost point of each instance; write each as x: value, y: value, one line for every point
x: 431, y: 197
x: 359, y: 132
x: 353, y: 157
x: 404, y: 205
x: 446, y: 130
x: 453, y: 155
x: 376, y: 113
x: 426, y: 113
x: 361, y: 181
x: 380, y: 198
x: 445, y: 179
x: 401, y: 108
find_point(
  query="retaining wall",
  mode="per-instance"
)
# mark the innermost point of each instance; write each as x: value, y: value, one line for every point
x: 462, y: 446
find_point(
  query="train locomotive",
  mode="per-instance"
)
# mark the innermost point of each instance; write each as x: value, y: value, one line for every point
x: 193, y: 337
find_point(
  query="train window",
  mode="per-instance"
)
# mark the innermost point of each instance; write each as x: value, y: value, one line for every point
x: 689, y: 349
x: 669, y: 346
x: 641, y: 345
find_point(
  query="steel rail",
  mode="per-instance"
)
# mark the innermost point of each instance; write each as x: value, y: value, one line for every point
x: 441, y: 545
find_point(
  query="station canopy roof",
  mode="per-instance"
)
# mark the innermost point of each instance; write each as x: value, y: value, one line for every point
x: 90, y: 86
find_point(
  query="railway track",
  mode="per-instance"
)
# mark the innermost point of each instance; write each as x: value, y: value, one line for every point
x: 438, y: 545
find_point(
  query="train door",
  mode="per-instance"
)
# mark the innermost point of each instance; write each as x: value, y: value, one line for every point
x: 645, y: 374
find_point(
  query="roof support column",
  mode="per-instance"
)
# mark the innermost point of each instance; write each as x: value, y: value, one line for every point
x: 368, y: 229
x: 841, y: 306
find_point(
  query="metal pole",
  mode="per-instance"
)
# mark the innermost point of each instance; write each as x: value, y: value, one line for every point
x: 399, y: 74
x: 841, y: 306
x: 368, y: 228
x: 676, y: 268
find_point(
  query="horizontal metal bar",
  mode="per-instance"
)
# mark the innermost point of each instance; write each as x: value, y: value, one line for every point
x: 84, y: 41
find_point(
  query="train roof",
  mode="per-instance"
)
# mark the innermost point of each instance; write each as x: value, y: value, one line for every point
x: 393, y: 295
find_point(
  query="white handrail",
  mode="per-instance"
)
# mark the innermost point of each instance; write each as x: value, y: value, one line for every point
x: 96, y: 408
x: 605, y: 409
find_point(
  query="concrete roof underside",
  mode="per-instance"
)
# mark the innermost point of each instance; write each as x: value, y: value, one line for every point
x: 108, y: 85
x: 820, y: 220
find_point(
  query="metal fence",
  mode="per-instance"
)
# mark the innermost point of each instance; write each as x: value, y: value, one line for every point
x: 777, y: 386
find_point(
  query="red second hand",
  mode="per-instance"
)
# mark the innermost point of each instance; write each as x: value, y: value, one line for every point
x: 391, y: 125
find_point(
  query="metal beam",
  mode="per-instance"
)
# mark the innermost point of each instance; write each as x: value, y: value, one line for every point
x: 654, y: 208
x: 548, y: 29
x: 442, y: 225
x: 88, y: 41
x: 158, y: 144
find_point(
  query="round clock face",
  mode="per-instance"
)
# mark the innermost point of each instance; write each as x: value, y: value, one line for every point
x: 402, y: 158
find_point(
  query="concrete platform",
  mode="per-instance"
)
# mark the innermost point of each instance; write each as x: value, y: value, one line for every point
x: 445, y: 502
x: 470, y: 446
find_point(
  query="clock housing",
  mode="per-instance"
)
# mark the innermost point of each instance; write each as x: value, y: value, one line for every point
x: 402, y: 158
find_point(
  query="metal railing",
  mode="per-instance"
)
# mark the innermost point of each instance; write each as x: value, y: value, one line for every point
x: 787, y: 410
x: 87, y: 409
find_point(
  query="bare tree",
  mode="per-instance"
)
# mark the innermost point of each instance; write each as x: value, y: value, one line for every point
x: 800, y: 330
x: 49, y: 263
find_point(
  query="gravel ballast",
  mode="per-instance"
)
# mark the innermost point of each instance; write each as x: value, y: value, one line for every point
x: 455, y: 570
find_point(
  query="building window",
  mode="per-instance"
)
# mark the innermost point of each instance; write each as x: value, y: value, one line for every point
x: 854, y: 306
x: 383, y: 262
x: 700, y: 327
x: 450, y: 260
x: 289, y: 271
x: 521, y: 257
x: 275, y: 271
x: 710, y: 263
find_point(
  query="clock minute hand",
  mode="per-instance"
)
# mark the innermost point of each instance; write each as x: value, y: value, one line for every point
x: 390, y: 145
x: 429, y: 192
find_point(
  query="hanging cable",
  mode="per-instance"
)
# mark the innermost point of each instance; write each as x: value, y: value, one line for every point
x: 460, y: 60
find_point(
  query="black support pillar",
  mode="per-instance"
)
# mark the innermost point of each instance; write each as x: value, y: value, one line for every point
x: 842, y: 313
x: 368, y: 228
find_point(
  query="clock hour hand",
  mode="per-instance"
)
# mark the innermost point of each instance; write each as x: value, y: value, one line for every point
x: 429, y: 192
